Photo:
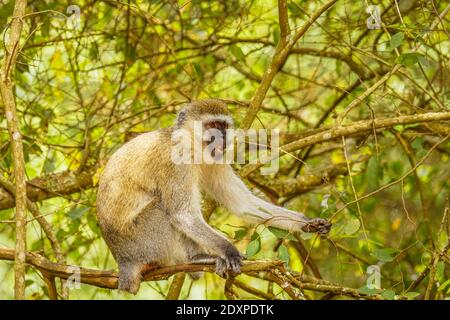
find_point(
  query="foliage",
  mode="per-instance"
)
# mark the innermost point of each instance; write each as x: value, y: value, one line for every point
x: 84, y: 83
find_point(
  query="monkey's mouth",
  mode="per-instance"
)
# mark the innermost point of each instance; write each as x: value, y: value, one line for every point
x: 216, y: 146
x: 218, y: 151
x: 220, y: 147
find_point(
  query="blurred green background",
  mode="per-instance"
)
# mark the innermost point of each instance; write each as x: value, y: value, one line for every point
x: 84, y: 82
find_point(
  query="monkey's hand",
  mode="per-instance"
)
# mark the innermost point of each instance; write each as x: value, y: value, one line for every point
x: 317, y: 225
x: 231, y: 261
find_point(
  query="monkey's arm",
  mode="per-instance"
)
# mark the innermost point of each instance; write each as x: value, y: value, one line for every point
x: 190, y: 222
x: 229, y: 190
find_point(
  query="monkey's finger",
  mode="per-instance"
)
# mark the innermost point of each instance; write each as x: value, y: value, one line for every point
x: 236, y: 266
x: 220, y: 267
x: 324, y: 231
x: 324, y: 228
x: 317, y: 225
x: 228, y: 264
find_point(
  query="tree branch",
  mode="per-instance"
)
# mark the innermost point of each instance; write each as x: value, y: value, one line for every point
x: 109, y: 279
x: 354, y: 66
x: 387, y: 76
x: 48, y: 231
x: 281, y: 53
x: 12, y: 48
x: 52, y: 185
x: 264, y: 269
x: 175, y: 286
x: 294, y: 186
x: 283, y: 20
x: 346, y: 130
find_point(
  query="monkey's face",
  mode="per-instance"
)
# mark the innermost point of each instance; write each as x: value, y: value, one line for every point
x: 215, y: 137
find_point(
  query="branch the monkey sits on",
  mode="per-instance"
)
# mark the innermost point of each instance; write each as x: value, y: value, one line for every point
x: 149, y: 208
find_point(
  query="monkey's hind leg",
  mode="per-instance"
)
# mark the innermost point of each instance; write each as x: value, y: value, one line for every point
x: 130, y: 276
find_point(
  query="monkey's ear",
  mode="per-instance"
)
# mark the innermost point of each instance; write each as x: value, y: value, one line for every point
x: 181, y: 118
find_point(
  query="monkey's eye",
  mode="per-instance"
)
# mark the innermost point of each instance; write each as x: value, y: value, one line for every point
x: 216, y: 125
x: 210, y: 125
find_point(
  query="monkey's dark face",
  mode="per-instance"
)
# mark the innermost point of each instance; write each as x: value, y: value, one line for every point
x: 215, y: 136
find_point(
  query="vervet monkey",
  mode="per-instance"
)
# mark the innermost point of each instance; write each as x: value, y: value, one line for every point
x: 149, y: 208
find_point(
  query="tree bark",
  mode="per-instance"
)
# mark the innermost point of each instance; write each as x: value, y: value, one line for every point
x: 282, y: 51
x: 53, y: 185
x: 350, y: 129
x: 7, y: 94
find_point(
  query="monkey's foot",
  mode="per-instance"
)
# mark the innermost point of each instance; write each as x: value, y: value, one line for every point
x: 129, y: 277
x: 230, y: 263
x: 129, y: 285
x: 317, y: 225
x: 195, y: 275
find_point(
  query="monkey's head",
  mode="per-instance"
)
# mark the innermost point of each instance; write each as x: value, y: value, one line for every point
x: 209, y: 120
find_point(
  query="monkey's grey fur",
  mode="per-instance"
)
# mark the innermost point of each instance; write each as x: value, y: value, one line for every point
x: 149, y: 210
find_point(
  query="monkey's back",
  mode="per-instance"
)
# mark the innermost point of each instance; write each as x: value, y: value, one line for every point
x: 129, y: 180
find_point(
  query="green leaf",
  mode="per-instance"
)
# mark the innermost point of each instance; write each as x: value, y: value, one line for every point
x: 417, y: 144
x: 409, y: 59
x: 411, y: 295
x: 373, y: 174
x: 237, y: 52
x: 282, y: 234
x: 338, y: 66
x: 397, y: 39
x: 74, y: 226
x: 388, y: 295
x: 49, y: 164
x: 240, y: 234
x: 426, y: 258
x: 276, y: 35
x: 366, y: 290
x: 37, y: 245
x: 130, y: 54
x: 210, y: 60
x: 294, y: 10
x: 92, y: 223
x: 396, y: 167
x: 352, y: 226
x: 444, y: 285
x: 440, y: 271
x: 198, y: 69
x: 423, y: 60
x: 94, y: 53
x: 327, y: 206
x: 61, y: 234
x: 255, y: 236
x: 384, y: 255
x: 6, y: 10
x: 28, y: 283
x: 253, y: 248
x: 283, y: 253
x: 279, y: 233
x: 77, y: 212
